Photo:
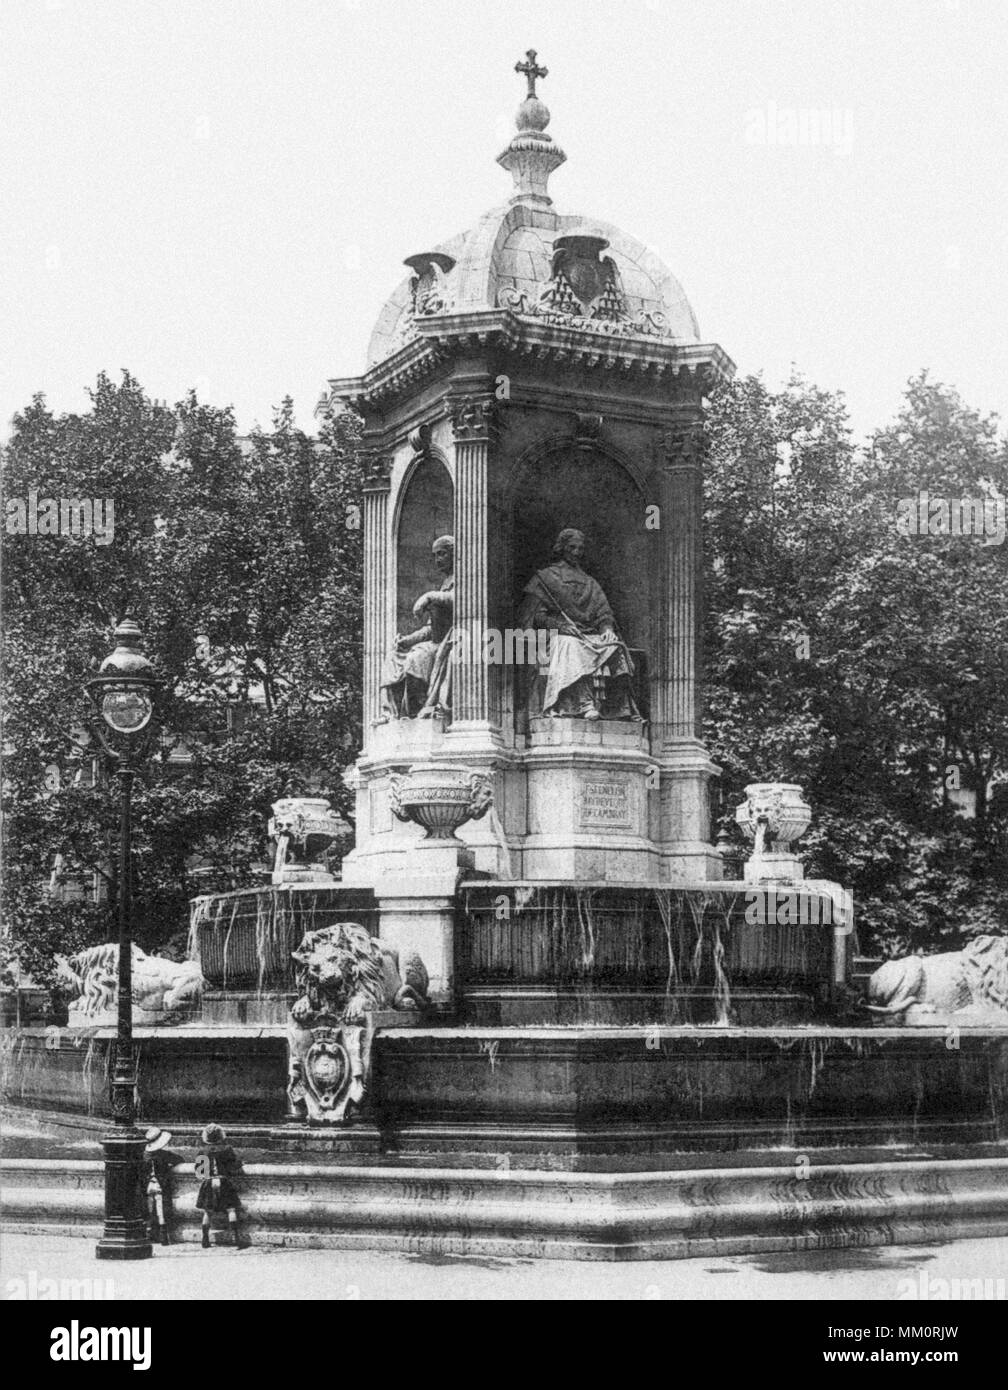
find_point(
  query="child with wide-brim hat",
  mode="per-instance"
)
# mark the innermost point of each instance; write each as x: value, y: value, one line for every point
x: 217, y: 1165
x: 160, y: 1161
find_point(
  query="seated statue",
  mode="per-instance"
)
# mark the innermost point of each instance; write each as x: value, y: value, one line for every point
x: 588, y: 660
x: 416, y: 675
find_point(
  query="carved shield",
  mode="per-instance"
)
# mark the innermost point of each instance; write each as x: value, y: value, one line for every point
x: 578, y: 258
x: 328, y: 1071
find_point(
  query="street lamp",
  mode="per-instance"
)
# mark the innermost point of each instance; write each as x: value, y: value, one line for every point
x: 124, y: 694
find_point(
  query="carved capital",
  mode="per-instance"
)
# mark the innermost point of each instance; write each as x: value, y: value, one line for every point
x: 377, y: 470
x: 682, y: 446
x: 475, y: 419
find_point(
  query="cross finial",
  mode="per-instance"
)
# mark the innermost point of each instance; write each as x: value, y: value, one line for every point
x: 531, y: 70
x: 531, y: 156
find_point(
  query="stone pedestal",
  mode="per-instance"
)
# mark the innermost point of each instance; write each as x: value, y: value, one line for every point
x: 583, y: 800
x: 774, y: 868
x: 414, y: 919
x: 384, y: 845
x: 779, y: 810
x: 590, y: 802
x: 685, y: 772
x: 417, y: 907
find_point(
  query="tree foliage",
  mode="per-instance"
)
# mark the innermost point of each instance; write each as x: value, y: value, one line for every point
x: 868, y: 665
x: 238, y: 562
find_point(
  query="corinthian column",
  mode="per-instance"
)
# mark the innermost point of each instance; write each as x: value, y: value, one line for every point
x: 682, y: 625
x: 376, y: 579
x: 474, y: 427
x: 686, y: 769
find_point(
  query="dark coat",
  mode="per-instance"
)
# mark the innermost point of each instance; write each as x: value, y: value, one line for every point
x: 220, y: 1165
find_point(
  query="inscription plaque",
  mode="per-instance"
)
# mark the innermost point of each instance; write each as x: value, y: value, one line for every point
x: 606, y: 804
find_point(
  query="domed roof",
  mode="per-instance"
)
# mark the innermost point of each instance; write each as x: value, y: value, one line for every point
x: 570, y: 271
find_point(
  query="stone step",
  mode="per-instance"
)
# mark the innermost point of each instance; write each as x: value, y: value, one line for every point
x: 615, y: 1216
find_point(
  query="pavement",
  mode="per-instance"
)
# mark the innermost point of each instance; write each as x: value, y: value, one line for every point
x: 46, y: 1267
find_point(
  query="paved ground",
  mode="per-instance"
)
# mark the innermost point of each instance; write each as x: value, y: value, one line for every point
x: 185, y: 1271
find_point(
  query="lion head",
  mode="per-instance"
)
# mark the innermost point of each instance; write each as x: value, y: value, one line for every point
x: 341, y: 970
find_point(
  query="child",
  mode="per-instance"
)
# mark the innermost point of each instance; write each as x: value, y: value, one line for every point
x: 160, y: 1161
x: 217, y: 1163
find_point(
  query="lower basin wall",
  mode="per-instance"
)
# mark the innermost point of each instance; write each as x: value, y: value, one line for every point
x: 716, y: 1089
x: 196, y: 1074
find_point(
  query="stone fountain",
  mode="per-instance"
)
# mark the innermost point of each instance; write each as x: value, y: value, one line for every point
x: 534, y: 957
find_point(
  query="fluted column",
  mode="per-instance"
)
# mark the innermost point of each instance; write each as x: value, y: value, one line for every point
x: 682, y: 626
x: 376, y: 579
x: 474, y: 425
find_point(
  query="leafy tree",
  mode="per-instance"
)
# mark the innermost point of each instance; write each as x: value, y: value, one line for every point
x: 860, y: 662
x: 240, y: 567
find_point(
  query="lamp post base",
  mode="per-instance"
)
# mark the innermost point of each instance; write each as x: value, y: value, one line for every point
x: 126, y: 1235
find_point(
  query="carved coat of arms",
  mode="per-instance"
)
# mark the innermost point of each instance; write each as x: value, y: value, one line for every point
x: 583, y: 291
x: 584, y: 282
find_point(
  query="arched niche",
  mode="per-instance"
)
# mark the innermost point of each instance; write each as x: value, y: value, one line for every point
x: 426, y: 511
x: 589, y: 490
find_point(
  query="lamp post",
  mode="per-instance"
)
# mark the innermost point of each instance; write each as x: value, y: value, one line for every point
x: 123, y: 694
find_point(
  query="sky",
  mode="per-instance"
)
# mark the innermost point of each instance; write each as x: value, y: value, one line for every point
x: 220, y: 195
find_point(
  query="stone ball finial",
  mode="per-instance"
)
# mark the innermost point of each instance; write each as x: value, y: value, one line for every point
x: 532, y: 116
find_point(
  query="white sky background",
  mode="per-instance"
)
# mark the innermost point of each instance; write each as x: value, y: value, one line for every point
x: 221, y: 195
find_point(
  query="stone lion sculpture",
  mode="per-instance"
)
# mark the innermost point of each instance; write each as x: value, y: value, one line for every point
x: 971, y: 984
x: 91, y: 977
x: 343, y: 972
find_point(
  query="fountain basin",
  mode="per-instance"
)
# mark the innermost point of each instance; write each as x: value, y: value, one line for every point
x: 540, y: 953
x: 244, y: 940
x: 547, y: 953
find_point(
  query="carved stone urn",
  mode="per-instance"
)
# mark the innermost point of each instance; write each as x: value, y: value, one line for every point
x: 440, y: 797
x: 775, y: 814
x: 303, y: 828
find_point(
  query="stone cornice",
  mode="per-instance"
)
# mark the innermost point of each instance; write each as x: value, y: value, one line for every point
x: 443, y: 337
